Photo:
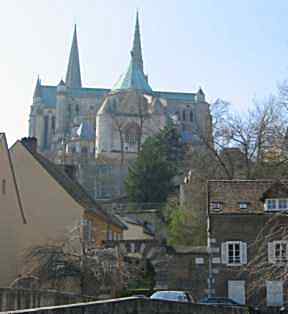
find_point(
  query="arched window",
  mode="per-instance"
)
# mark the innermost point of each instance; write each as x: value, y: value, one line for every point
x: 132, y: 134
x: 77, y: 109
x: 191, y: 115
x: 53, y: 124
x: 183, y: 115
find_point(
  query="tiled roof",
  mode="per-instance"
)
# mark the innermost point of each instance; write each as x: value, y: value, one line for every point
x: 230, y: 193
x: 74, y: 189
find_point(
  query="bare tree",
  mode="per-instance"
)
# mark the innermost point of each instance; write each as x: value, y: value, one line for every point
x: 95, y: 269
x: 269, y: 259
x: 259, y: 135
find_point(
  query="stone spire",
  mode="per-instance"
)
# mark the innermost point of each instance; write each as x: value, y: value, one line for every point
x: 73, y: 75
x: 134, y: 77
x: 136, y: 52
x: 38, y: 90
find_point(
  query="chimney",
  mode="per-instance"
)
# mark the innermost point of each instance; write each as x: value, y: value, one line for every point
x: 30, y: 143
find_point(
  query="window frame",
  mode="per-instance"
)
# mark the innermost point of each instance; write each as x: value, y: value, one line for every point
x: 243, y: 205
x: 214, y: 207
x: 243, y: 252
x: 274, y: 259
x: 234, y: 243
x: 276, y: 204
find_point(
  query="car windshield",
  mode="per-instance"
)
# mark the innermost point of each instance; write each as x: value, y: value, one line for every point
x: 169, y: 295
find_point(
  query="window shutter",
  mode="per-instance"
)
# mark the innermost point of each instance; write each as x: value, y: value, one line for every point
x: 243, y: 253
x: 271, y: 252
x: 224, y: 252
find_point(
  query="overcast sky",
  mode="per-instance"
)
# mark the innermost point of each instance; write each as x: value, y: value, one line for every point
x: 235, y: 50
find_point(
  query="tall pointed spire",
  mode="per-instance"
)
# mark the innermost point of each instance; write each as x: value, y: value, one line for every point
x: 37, y: 91
x: 73, y: 75
x: 136, y: 52
x: 134, y: 77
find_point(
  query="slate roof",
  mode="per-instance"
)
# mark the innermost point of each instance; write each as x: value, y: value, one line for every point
x: 74, y: 189
x: 230, y: 193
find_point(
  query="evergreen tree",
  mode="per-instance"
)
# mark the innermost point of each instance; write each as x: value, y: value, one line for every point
x: 150, y: 177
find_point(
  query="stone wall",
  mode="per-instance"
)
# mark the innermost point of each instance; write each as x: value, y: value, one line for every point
x: 13, y: 299
x: 136, y: 306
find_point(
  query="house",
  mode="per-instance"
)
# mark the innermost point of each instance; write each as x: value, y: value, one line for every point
x: 247, y: 240
x: 41, y: 202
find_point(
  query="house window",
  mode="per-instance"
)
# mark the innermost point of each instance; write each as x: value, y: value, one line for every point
x: 278, y: 252
x: 243, y: 205
x: 276, y: 204
x: 234, y: 253
x: 3, y: 187
x: 216, y: 205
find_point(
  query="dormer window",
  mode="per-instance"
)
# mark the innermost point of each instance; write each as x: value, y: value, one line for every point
x: 275, y: 204
x: 243, y: 205
x: 216, y: 205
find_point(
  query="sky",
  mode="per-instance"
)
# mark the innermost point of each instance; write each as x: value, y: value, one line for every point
x: 234, y: 50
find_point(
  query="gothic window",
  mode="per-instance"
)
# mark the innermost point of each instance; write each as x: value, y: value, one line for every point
x: 53, y: 124
x: 77, y: 109
x: 191, y: 116
x: 183, y: 115
x: 132, y: 134
x: 46, y: 125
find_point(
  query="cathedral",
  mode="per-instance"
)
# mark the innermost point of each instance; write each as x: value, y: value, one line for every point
x: 100, y: 131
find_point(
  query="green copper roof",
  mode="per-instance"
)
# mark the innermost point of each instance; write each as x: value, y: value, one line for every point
x: 134, y: 77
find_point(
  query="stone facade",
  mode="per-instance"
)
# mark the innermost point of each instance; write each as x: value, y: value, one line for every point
x: 239, y: 213
x: 96, y: 128
x: 137, y: 306
x: 12, y: 299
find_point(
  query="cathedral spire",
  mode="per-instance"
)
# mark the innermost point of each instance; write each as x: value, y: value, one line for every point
x: 73, y: 75
x: 134, y: 77
x: 37, y: 91
x: 136, y: 52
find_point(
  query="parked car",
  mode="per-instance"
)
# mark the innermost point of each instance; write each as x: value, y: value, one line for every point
x: 179, y: 296
x: 218, y: 301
